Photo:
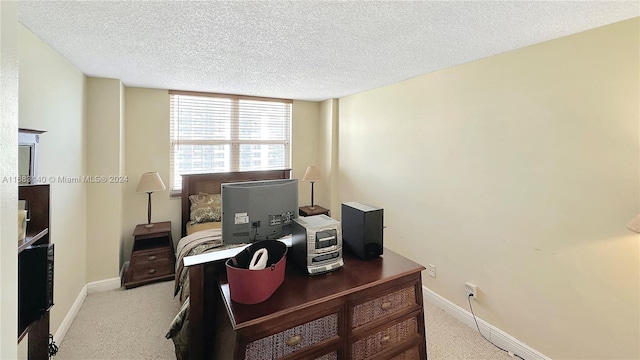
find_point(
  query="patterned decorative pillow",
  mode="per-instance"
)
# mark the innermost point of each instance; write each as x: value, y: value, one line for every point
x: 205, y: 208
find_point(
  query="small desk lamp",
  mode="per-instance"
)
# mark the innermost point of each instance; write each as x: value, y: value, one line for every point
x: 634, y: 224
x: 150, y: 182
x: 312, y: 174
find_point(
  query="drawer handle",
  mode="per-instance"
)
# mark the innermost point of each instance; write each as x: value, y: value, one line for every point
x: 385, y: 340
x: 152, y: 271
x: 386, y: 305
x: 294, y: 340
x: 152, y: 257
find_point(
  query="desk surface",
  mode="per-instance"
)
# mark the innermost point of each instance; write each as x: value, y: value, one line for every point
x: 301, y: 290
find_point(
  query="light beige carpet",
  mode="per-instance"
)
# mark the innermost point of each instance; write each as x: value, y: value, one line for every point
x: 131, y: 324
x: 123, y: 324
x: 449, y: 339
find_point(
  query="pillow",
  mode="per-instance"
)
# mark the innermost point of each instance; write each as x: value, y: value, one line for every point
x: 195, y: 227
x: 205, y: 208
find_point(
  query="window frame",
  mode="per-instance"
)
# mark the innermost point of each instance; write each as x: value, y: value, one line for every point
x: 234, y: 140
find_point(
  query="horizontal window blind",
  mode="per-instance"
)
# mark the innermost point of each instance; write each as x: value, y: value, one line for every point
x: 221, y: 133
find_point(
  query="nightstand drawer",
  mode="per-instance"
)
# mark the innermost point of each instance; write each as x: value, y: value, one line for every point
x: 151, y: 264
x: 294, y: 339
x: 387, y: 304
x: 390, y: 336
x: 152, y: 256
x: 152, y: 270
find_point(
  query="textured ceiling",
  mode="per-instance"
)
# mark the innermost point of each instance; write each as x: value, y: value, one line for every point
x: 306, y: 50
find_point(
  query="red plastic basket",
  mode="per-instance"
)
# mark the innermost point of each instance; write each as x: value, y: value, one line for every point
x: 255, y: 286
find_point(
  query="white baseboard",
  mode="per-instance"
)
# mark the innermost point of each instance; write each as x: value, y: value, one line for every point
x: 71, y: 314
x: 92, y: 287
x: 497, y: 336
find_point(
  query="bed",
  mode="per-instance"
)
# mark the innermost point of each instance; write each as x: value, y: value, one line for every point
x: 201, y: 232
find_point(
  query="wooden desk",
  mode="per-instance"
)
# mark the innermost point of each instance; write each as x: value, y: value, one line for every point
x: 367, y: 310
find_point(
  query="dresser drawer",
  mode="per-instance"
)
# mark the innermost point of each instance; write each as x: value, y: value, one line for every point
x: 388, y: 337
x: 293, y: 339
x: 329, y: 356
x: 390, y: 303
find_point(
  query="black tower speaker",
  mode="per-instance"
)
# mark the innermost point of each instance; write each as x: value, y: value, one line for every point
x: 35, y: 282
x: 362, y: 229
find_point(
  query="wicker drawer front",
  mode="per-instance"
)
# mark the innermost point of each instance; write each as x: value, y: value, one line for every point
x: 384, y: 339
x: 383, y: 306
x: 294, y: 339
x: 330, y: 356
x: 411, y: 354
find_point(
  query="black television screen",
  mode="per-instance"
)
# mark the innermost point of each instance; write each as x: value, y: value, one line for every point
x: 258, y: 210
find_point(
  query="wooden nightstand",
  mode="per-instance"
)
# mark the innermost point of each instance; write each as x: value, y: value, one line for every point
x: 308, y: 211
x: 152, y: 256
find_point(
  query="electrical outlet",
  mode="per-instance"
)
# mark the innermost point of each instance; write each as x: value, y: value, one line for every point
x: 432, y: 270
x: 471, y: 289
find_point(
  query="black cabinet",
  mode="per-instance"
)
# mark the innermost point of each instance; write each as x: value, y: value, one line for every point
x: 35, y: 283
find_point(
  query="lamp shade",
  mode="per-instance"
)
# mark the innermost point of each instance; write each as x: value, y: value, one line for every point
x: 150, y: 182
x: 312, y: 174
x: 634, y: 224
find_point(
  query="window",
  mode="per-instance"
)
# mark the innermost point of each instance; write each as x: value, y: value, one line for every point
x: 221, y: 133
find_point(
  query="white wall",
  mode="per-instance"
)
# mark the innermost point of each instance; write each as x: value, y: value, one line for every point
x: 8, y: 189
x: 517, y: 172
x: 52, y: 97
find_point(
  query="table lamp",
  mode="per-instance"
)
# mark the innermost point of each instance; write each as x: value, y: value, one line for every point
x: 312, y: 174
x: 150, y: 182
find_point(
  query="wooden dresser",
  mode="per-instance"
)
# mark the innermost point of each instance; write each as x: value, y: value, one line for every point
x: 367, y: 310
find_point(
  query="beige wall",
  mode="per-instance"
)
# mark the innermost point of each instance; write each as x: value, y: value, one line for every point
x: 52, y: 97
x: 8, y: 168
x: 105, y: 149
x: 147, y: 149
x: 327, y: 154
x: 519, y: 173
x: 304, y: 144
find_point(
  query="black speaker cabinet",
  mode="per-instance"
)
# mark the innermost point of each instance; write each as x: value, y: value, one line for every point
x: 362, y: 229
x: 35, y: 282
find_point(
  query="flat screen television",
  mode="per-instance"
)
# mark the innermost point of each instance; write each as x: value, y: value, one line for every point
x: 258, y: 210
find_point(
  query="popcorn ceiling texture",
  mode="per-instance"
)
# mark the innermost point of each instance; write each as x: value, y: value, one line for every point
x: 305, y: 50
